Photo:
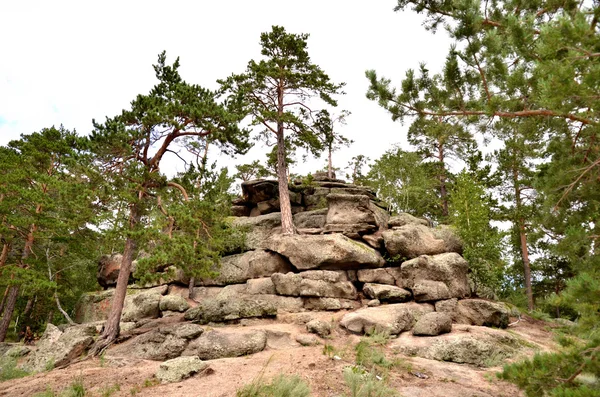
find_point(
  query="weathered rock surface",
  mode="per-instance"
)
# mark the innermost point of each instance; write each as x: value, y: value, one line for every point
x: 449, y: 269
x: 174, y: 303
x: 385, y: 275
x: 481, y: 312
x: 349, y: 209
x: 108, y: 270
x: 325, y: 251
x: 160, y: 344
x: 386, y: 293
x: 16, y: 351
x: 93, y: 306
x: 307, y: 339
x: 258, y: 228
x: 404, y: 219
x: 478, y: 346
x: 259, y: 190
x: 432, y: 324
x: 429, y: 290
x: 57, y: 348
x: 180, y: 368
x: 310, y: 219
x: 314, y: 283
x: 260, y: 286
x: 143, y: 304
x: 411, y: 240
x: 220, y: 309
x: 446, y: 306
x: 237, y: 269
x: 392, y: 319
x: 219, y: 344
x: 319, y: 327
x: 330, y: 304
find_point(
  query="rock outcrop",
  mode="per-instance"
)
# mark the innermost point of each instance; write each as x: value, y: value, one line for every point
x: 393, y: 274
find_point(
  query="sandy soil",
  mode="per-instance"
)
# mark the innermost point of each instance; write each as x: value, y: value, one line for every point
x: 284, y: 355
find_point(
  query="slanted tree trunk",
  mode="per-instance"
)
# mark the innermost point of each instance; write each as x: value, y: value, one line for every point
x: 14, y: 290
x: 112, y: 325
x: 11, y: 301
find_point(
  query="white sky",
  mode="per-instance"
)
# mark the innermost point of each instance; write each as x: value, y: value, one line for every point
x: 70, y: 61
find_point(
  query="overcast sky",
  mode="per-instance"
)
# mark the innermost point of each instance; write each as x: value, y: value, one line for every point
x: 68, y: 62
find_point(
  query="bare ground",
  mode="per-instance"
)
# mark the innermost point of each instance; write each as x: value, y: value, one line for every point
x: 284, y: 355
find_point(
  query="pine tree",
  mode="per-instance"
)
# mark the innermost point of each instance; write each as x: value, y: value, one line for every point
x: 277, y: 92
x: 406, y: 183
x: 332, y: 140
x: 130, y: 147
x: 45, y: 210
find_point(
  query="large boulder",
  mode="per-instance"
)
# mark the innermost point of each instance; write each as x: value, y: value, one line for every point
x: 448, y: 269
x: 108, y: 270
x: 433, y: 324
x: 180, y: 368
x: 349, y: 209
x: 333, y: 251
x: 386, y: 293
x: 392, y: 319
x: 143, y: 304
x: 482, y: 312
x: 478, y: 346
x: 237, y: 269
x: 412, y: 240
x: 93, y: 306
x: 310, y: 219
x: 56, y: 348
x: 317, y: 283
x: 219, y: 344
x: 173, y: 303
x: 257, y: 229
x: 223, y: 308
x: 259, y: 190
x: 404, y: 219
x: 385, y: 275
x: 159, y: 344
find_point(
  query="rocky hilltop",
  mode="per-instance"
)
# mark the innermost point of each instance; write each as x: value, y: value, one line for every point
x: 350, y: 269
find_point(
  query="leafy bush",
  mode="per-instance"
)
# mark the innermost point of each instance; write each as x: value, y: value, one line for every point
x: 280, y: 386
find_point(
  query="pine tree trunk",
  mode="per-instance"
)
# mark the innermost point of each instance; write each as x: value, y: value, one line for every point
x: 112, y: 325
x: 443, y: 190
x: 287, y: 223
x: 14, y: 290
x: 526, y: 266
x: 3, y: 302
x: 523, y: 241
x: 28, y: 308
x: 330, y: 166
x: 11, y: 302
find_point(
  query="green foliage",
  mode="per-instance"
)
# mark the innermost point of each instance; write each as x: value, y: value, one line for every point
x: 470, y: 215
x: 108, y: 391
x: 406, y: 183
x: 253, y: 170
x: 365, y: 384
x: 371, y: 357
x: 9, y: 370
x: 356, y: 166
x: 280, y: 386
x: 558, y: 374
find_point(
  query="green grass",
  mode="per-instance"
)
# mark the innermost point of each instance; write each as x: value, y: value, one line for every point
x: 280, y: 386
x: 75, y: 389
x: 9, y: 370
x: 365, y: 384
